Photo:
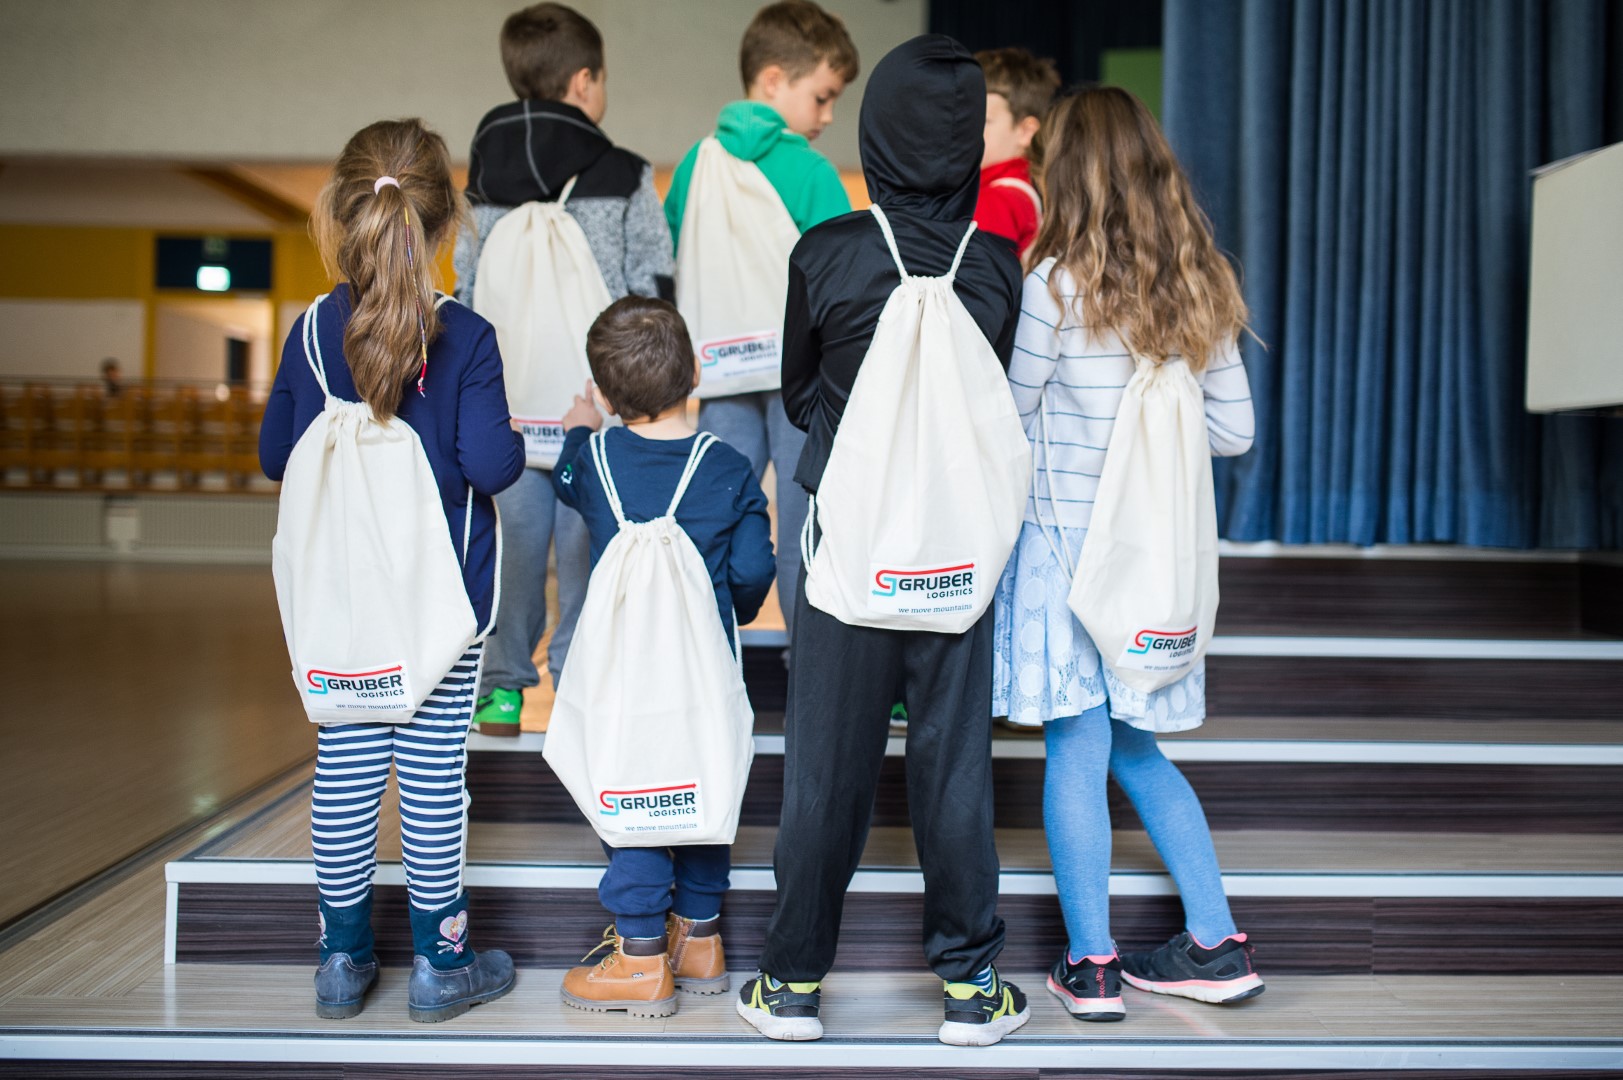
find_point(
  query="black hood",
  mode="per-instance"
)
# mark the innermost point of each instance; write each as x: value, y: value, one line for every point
x: 527, y: 150
x: 923, y: 118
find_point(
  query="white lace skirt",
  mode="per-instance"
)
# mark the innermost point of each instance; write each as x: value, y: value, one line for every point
x: 1045, y: 666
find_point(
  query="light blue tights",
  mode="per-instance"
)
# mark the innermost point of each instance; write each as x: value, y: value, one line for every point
x: 1081, y: 751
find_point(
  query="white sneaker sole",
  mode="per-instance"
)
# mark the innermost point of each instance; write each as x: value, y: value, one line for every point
x: 1211, y: 991
x: 955, y: 1034
x: 781, y: 1028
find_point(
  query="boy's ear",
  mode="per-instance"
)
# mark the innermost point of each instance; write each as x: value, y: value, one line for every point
x: 580, y: 84
x: 1027, y: 129
x: 602, y: 402
x: 769, y: 80
x: 698, y: 371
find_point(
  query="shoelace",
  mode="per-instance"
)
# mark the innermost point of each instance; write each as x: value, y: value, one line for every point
x: 610, y: 938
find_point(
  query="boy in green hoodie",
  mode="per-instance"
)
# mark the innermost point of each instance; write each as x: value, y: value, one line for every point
x: 795, y: 60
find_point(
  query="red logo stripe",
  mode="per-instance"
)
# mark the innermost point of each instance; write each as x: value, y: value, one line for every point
x: 919, y: 573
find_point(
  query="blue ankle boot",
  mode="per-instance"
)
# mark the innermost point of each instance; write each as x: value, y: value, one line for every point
x: 348, y: 969
x: 447, y: 977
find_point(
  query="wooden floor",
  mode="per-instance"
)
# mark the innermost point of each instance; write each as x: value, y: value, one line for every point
x: 141, y: 697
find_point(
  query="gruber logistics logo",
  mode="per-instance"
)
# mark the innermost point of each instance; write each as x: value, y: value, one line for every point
x: 890, y: 582
x: 658, y: 802
x: 739, y: 349
x: 323, y: 682
x: 1162, y: 640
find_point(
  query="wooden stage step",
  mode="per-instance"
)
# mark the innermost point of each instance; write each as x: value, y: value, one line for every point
x: 1441, y: 785
x: 1443, y: 679
x: 1362, y: 902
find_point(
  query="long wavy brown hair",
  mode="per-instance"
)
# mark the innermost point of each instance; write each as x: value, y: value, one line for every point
x: 363, y: 236
x: 1120, y: 218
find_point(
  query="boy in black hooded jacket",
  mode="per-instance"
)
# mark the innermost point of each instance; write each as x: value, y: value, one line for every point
x: 922, y: 119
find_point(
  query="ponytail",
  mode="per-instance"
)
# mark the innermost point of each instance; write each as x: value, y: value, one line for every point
x: 390, y: 205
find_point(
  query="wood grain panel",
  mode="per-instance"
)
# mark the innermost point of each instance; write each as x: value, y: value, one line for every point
x: 1398, y: 597
x: 1600, y: 591
x: 1421, y: 689
x: 1254, y: 795
x: 1333, y: 687
x: 1313, y: 935
x: 1415, y: 935
x: 1444, y: 798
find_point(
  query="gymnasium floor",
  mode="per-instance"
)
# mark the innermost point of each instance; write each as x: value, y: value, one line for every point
x: 143, y: 697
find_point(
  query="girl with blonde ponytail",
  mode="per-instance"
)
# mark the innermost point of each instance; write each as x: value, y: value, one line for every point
x: 1124, y: 265
x: 385, y: 337
x: 380, y: 222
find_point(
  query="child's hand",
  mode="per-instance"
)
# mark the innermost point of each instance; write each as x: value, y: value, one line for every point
x: 583, y: 413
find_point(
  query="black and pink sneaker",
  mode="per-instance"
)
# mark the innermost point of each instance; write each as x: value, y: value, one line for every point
x: 1090, y: 990
x: 1183, y: 967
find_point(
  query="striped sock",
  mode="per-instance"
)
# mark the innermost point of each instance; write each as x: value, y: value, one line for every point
x: 986, y: 979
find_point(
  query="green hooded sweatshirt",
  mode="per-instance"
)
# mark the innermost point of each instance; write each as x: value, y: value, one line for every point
x: 807, y: 183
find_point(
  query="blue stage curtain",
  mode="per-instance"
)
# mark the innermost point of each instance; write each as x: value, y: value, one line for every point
x: 1367, y: 163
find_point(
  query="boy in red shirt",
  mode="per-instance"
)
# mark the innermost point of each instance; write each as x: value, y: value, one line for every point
x: 1019, y: 88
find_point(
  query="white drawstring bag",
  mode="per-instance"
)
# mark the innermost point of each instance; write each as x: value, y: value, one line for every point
x: 370, y: 587
x: 1146, y: 579
x: 925, y: 487
x: 652, y: 731
x: 539, y: 285
x: 732, y: 273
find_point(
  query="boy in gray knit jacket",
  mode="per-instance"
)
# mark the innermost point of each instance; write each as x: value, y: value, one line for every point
x: 526, y: 151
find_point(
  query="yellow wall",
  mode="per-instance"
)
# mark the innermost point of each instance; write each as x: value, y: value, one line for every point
x: 65, y: 262
x: 75, y: 263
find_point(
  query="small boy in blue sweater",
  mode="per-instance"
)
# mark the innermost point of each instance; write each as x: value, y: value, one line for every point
x: 665, y: 901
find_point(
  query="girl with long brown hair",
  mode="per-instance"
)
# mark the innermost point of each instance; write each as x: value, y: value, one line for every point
x: 1124, y: 266
x: 384, y: 337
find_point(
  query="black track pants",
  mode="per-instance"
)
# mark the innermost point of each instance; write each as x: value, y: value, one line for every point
x: 842, y: 683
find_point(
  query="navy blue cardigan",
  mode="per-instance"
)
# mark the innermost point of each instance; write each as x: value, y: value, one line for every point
x: 462, y: 420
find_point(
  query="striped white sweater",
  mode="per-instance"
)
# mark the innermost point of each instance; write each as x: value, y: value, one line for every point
x: 1082, y: 374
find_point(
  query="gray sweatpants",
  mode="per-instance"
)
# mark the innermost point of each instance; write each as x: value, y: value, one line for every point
x: 532, y: 521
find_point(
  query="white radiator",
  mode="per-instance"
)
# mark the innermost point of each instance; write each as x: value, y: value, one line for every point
x: 182, y: 528
x: 51, y: 521
x: 205, y: 523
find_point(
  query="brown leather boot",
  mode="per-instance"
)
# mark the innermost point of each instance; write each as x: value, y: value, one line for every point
x: 696, y: 958
x: 641, y: 985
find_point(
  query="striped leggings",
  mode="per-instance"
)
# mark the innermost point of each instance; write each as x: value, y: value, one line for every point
x: 352, y: 771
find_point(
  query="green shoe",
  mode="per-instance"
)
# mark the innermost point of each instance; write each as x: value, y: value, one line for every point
x: 898, y: 716
x: 498, y: 712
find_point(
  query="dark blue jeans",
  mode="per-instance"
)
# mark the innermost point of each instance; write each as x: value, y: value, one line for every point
x: 642, y: 884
